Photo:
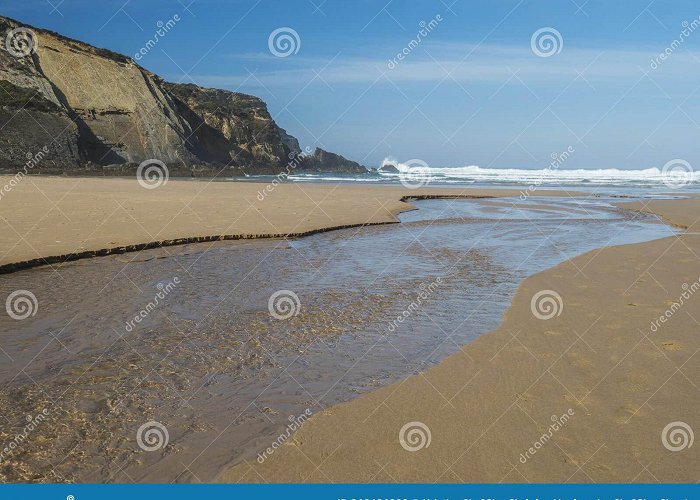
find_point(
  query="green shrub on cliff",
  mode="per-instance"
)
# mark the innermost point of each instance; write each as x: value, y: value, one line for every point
x: 12, y: 96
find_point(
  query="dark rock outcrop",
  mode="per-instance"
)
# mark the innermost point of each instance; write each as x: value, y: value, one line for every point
x: 97, y: 112
x: 324, y: 161
x: 388, y: 167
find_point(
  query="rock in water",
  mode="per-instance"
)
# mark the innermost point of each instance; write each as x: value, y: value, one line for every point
x: 388, y: 167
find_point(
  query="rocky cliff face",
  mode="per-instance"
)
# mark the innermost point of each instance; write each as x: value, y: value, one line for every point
x: 94, y: 111
x: 324, y: 161
x: 229, y: 127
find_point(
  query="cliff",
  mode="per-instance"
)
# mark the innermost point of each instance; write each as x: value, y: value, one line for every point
x: 93, y: 111
x: 324, y: 161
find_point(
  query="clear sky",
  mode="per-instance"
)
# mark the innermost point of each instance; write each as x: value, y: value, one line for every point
x: 471, y: 92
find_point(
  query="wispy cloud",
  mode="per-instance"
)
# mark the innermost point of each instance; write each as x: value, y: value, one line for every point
x: 464, y: 63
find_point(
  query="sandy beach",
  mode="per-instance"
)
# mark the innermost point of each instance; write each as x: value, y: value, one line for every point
x: 619, y: 379
x: 602, y: 369
x: 71, y: 218
x: 367, y: 250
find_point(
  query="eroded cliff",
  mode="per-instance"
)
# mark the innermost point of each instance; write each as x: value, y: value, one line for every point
x: 91, y: 110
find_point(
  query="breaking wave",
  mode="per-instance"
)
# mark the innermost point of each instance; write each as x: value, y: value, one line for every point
x: 608, y: 176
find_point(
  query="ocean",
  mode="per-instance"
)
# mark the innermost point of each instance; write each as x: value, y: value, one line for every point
x: 677, y: 176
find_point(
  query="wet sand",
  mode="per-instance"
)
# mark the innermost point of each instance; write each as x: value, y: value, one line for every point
x: 615, y: 390
x: 70, y: 218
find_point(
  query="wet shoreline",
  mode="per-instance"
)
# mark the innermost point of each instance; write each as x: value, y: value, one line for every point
x: 225, y: 382
x: 139, y: 247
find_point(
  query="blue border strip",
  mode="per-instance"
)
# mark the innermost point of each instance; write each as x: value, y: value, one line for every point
x: 353, y: 492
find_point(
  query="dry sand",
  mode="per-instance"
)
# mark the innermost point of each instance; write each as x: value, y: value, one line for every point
x: 48, y: 220
x: 620, y: 380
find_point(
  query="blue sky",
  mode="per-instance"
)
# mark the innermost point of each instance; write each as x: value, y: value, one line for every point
x: 471, y: 92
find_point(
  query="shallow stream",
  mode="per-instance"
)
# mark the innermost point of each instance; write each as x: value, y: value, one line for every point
x: 220, y: 373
